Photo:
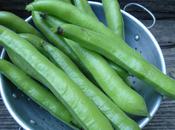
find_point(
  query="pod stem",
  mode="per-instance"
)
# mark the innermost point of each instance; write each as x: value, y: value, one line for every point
x: 60, y: 31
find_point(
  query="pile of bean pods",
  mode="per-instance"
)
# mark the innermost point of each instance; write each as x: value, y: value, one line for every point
x: 84, y: 63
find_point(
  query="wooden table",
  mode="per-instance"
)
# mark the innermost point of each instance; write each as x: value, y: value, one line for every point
x: 164, y: 31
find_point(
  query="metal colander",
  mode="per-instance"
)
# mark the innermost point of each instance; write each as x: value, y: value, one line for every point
x: 31, y: 116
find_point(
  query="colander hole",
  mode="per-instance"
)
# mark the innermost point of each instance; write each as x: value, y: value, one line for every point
x: 14, y: 95
x: 135, y: 48
x: 28, y: 99
x: 137, y: 37
x: 133, y: 82
x: 32, y: 122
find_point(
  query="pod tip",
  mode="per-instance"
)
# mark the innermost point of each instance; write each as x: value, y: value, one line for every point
x: 144, y: 112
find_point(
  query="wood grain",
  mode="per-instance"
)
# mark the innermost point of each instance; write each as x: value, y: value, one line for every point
x: 164, y: 118
x: 162, y: 9
x: 6, y: 121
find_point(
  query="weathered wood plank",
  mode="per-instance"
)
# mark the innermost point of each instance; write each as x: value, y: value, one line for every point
x: 6, y: 121
x: 164, y: 31
x: 164, y: 118
x: 162, y: 9
x: 169, y: 54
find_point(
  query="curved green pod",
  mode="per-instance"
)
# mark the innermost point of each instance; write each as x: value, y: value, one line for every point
x: 108, y: 79
x: 35, y: 91
x: 81, y: 107
x: 17, y: 24
x: 43, y: 24
x: 124, y: 96
x: 119, y: 54
x: 85, y: 7
x: 75, y: 16
x: 54, y: 39
x: 69, y: 13
x: 21, y: 26
x: 114, y: 17
x: 109, y: 109
x: 115, y: 23
x: 120, y: 71
x: 55, y: 23
x: 35, y: 41
x: 58, y: 41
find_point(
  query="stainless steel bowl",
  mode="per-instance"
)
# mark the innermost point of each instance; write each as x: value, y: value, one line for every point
x: 30, y: 116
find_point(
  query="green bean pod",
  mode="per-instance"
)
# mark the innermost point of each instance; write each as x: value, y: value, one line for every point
x: 27, y: 69
x: 17, y: 24
x: 124, y: 96
x: 116, y: 24
x: 35, y: 91
x: 36, y: 41
x: 81, y: 107
x: 113, y: 16
x: 44, y: 24
x: 90, y: 60
x: 21, y: 26
x: 100, y: 69
x: 83, y: 5
x: 58, y: 41
x: 69, y: 13
x: 51, y: 20
x: 22, y: 64
x: 54, y: 23
x: 55, y: 39
x: 61, y: 10
x: 120, y: 71
x: 123, y: 55
x: 110, y: 110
